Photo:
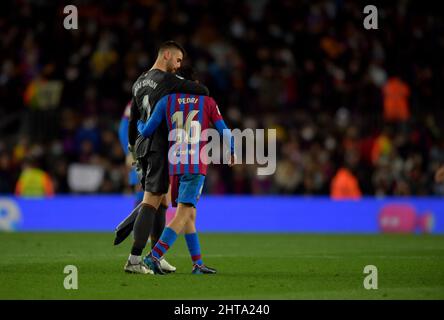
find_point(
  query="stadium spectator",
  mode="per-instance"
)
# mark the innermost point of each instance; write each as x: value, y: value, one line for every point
x: 33, y: 181
x: 396, y: 106
x: 344, y: 185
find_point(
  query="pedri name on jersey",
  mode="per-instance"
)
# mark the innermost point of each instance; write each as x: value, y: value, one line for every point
x: 188, y: 100
x: 144, y: 83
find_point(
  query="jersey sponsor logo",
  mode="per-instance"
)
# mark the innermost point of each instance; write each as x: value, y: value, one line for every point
x: 187, y: 100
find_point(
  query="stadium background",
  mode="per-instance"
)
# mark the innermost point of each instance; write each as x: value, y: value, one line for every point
x: 308, y: 69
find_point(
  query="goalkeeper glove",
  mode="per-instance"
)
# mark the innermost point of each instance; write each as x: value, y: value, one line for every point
x: 132, y: 152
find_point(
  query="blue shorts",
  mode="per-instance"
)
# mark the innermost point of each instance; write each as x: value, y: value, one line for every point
x: 186, y: 188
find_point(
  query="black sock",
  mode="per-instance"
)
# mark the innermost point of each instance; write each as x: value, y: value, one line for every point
x: 142, y: 228
x: 159, y: 225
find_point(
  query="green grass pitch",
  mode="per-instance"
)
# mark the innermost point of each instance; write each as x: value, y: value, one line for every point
x: 250, y: 266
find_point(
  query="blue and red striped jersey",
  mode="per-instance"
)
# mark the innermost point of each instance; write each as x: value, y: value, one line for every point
x: 192, y: 114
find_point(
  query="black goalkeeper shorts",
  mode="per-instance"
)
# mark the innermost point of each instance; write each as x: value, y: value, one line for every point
x: 153, y: 172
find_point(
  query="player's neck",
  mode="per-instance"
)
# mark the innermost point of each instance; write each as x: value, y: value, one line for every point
x: 158, y: 65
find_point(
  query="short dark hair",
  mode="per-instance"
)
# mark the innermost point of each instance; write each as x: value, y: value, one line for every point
x: 187, y: 72
x: 170, y: 44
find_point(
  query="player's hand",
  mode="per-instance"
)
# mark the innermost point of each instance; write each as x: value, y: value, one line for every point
x: 132, y: 154
x: 129, y: 160
x: 439, y: 176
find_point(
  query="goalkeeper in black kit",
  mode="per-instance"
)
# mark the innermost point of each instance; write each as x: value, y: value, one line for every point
x: 151, y: 154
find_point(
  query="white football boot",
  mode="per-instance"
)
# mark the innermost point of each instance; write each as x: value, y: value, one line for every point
x: 166, y: 267
x: 140, y: 268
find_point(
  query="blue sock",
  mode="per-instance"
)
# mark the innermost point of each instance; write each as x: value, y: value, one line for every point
x: 166, y: 240
x: 194, y: 248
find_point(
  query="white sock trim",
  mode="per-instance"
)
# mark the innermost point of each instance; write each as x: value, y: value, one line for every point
x: 134, y: 259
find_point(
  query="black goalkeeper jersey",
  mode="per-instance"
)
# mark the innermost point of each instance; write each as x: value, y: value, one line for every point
x: 148, y: 89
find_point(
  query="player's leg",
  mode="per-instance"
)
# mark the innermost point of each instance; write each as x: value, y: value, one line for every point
x: 158, y: 227
x: 192, y: 239
x: 169, y: 234
x: 144, y: 222
x: 141, y: 231
x: 160, y: 219
x: 190, y: 186
x: 168, y: 237
x: 160, y: 183
x: 191, y: 235
x: 134, y: 264
x: 156, y: 186
x: 193, y: 244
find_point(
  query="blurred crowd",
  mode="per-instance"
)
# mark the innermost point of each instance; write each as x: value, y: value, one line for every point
x: 352, y: 107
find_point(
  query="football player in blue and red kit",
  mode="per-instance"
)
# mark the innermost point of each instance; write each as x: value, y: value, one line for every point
x: 187, y: 116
